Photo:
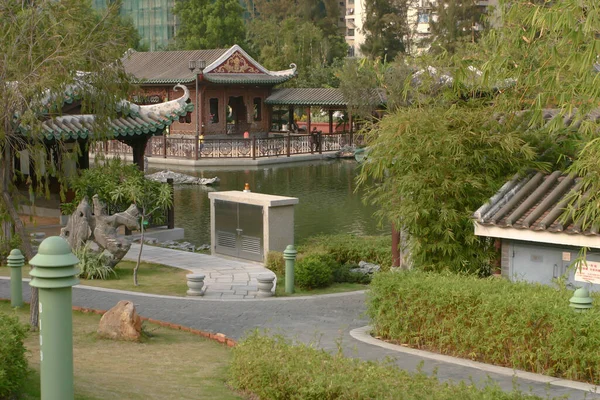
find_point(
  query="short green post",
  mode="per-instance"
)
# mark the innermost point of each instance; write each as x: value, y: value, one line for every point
x: 16, y: 262
x: 581, y: 300
x: 54, y: 274
x: 289, y: 254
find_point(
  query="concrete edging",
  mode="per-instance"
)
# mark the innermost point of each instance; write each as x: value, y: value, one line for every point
x: 199, y: 298
x: 363, y: 334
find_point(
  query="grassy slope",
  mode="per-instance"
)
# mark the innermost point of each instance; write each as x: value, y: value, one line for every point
x: 169, y: 365
x: 152, y: 278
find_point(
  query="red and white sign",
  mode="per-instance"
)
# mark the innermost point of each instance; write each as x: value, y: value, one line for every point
x: 588, y: 271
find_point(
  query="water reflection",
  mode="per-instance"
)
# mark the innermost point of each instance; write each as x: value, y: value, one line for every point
x: 328, y: 203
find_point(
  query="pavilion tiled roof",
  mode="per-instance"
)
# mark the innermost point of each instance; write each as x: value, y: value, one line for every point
x: 161, y: 67
x: 307, y: 97
x: 136, y: 120
x: 167, y: 66
x: 537, y: 202
x: 317, y: 97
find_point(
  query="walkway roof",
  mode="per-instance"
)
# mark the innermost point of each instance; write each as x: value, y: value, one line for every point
x: 324, y: 97
x: 307, y: 97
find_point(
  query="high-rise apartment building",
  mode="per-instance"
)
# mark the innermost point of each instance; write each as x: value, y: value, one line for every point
x: 355, y: 35
x: 154, y: 20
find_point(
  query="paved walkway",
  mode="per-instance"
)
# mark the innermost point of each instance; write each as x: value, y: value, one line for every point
x: 327, y: 320
x: 224, y: 278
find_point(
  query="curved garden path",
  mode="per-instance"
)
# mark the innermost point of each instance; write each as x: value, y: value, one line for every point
x: 327, y: 319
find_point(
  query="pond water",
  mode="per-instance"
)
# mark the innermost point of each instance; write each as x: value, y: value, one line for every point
x: 326, y: 191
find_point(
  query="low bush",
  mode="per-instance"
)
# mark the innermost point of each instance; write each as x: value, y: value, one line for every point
x: 518, y: 325
x: 350, y: 249
x: 93, y: 265
x: 275, y: 263
x: 271, y: 368
x: 13, y: 364
x: 314, y: 271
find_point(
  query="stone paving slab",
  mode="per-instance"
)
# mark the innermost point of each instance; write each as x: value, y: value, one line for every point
x: 223, y: 277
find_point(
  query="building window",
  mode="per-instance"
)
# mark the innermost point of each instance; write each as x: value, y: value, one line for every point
x: 350, y: 32
x: 257, y: 109
x: 214, y: 110
x: 350, y: 51
x: 423, y: 18
x: 342, y: 4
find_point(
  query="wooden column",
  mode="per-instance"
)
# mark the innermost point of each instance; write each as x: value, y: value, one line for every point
x: 308, y: 129
x: 84, y: 158
x: 351, y: 131
x: 290, y: 117
x: 330, y: 121
x: 138, y: 147
x: 350, y: 120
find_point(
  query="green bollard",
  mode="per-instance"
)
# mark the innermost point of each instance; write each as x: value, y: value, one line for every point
x: 54, y: 273
x: 581, y: 300
x: 16, y: 262
x: 289, y: 254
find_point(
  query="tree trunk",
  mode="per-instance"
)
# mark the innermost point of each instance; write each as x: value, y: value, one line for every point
x: 139, y: 258
x: 19, y: 229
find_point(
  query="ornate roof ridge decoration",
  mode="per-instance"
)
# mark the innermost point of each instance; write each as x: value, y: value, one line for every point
x: 537, y: 202
x: 136, y: 120
x: 237, y: 49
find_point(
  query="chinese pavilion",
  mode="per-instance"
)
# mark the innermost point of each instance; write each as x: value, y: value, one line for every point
x: 228, y: 86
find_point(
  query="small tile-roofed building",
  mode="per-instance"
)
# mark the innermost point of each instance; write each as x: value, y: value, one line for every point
x: 539, y: 239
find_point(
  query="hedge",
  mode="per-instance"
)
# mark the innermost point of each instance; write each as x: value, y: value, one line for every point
x: 272, y: 368
x: 519, y: 325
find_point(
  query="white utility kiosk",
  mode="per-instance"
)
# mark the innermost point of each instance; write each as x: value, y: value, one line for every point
x: 248, y: 225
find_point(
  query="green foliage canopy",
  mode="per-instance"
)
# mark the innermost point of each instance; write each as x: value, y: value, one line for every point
x: 209, y: 24
x: 385, y: 27
x: 429, y: 168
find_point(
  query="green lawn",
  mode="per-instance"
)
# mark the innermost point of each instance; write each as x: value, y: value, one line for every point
x: 170, y: 364
x: 152, y: 278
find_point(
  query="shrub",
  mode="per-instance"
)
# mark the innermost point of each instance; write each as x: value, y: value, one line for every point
x: 352, y: 249
x: 314, y: 271
x: 13, y: 364
x: 518, y: 325
x: 275, y: 263
x: 271, y: 368
x: 93, y: 265
x: 343, y: 273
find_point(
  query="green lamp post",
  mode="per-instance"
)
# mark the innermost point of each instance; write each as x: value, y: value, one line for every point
x: 289, y: 254
x: 581, y: 300
x: 54, y: 274
x: 16, y: 262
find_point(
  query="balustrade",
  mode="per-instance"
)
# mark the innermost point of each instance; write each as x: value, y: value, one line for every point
x: 183, y: 147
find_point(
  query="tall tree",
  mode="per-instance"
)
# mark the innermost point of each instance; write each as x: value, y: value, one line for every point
x: 206, y: 24
x: 454, y: 22
x: 385, y: 27
x: 302, y: 32
x: 44, y: 47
